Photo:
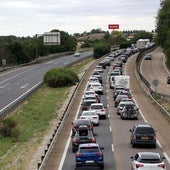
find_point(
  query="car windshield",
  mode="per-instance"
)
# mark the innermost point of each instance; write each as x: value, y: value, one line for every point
x: 89, y: 149
x: 96, y: 107
x: 144, y: 130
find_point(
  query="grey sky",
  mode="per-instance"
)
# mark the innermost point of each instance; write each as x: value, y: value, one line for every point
x: 30, y: 17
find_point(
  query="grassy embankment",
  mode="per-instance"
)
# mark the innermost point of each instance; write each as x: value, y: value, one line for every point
x: 33, y: 118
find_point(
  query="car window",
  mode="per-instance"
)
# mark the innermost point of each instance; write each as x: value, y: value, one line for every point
x: 90, y: 149
x: 150, y: 161
x: 97, y: 107
x: 144, y: 130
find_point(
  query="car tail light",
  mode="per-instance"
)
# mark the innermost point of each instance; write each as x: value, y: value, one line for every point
x: 91, y: 127
x: 75, y: 140
x: 139, y: 165
x: 79, y: 154
x: 93, y: 140
x: 82, y: 117
x: 102, y: 110
x: 134, y: 137
x: 162, y: 166
x: 95, y: 117
x: 154, y: 137
x: 99, y: 154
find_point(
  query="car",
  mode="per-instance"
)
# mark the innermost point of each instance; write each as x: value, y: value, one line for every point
x: 143, y: 134
x: 97, y: 87
x: 91, y: 115
x: 98, y: 75
x: 168, y: 79
x: 99, y: 69
x: 121, y: 105
x: 148, y: 57
x: 129, y: 111
x: 103, y: 64
x: 119, y: 97
x: 77, y: 54
x: 87, y: 103
x: 92, y: 79
x: 82, y: 135
x: 80, y: 122
x: 89, y: 154
x: 91, y: 93
x: 148, y: 161
x: 99, y: 109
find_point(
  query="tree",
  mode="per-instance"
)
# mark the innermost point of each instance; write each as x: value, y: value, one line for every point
x: 163, y: 28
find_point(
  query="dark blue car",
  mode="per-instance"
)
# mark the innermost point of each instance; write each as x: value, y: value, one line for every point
x: 90, y: 154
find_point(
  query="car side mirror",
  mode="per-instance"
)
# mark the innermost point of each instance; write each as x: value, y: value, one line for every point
x: 72, y: 123
x: 130, y: 130
x: 131, y: 157
x: 102, y: 148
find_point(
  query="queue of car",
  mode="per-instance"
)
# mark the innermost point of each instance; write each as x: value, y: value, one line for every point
x: 88, y: 151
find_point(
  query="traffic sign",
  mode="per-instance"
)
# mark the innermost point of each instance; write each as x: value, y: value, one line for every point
x: 113, y: 26
x: 155, y: 82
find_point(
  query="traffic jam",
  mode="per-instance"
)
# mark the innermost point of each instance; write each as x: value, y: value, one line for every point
x: 91, y: 142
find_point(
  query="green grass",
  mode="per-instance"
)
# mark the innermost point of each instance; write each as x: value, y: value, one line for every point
x: 33, y: 118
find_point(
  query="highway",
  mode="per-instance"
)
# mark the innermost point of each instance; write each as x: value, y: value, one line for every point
x: 118, y: 149
x: 18, y: 82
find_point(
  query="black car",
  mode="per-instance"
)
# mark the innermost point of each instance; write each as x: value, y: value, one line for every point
x: 82, y: 135
x: 79, y: 122
x: 143, y: 134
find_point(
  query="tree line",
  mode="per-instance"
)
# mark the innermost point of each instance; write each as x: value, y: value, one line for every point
x: 19, y: 50
x: 163, y: 28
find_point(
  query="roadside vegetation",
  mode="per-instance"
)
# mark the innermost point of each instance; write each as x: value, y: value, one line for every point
x: 30, y: 122
x: 163, y: 28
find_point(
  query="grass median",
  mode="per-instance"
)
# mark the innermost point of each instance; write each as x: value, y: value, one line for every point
x: 33, y: 119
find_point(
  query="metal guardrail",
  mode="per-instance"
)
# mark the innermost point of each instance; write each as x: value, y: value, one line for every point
x: 154, y: 95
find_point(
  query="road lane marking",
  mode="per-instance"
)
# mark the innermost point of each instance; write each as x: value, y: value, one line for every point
x: 112, y: 146
x: 167, y: 157
x: 24, y: 85
x: 1, y: 87
x: 158, y: 143
x: 110, y: 129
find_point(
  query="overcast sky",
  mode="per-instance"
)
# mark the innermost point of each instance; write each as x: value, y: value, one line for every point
x: 30, y: 17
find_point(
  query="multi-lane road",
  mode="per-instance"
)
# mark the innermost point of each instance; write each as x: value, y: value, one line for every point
x: 17, y: 83
x: 118, y: 149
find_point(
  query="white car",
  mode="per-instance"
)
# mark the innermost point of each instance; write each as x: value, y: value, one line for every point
x: 99, y: 69
x: 77, y: 54
x: 99, y: 109
x: 92, y: 79
x: 97, y: 87
x: 147, y: 161
x: 91, y: 115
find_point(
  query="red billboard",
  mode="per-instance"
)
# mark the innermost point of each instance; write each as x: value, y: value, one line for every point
x: 113, y: 26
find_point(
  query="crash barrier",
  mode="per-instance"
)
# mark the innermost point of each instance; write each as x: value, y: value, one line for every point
x: 59, y: 126
x: 154, y: 94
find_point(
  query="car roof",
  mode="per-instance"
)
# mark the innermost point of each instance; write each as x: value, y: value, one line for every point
x: 100, y: 104
x: 143, y: 125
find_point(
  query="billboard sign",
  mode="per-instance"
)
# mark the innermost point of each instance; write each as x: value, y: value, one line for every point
x: 51, y: 38
x: 113, y: 26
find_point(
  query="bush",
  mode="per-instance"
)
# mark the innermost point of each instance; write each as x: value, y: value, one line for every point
x: 8, y: 128
x: 101, y: 49
x: 60, y: 77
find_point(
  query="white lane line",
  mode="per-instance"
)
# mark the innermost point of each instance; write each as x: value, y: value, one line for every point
x: 109, y: 116
x: 112, y: 146
x: 64, y: 153
x: 110, y: 128
x: 158, y: 143
x: 1, y: 87
x: 24, y: 85
x: 167, y: 157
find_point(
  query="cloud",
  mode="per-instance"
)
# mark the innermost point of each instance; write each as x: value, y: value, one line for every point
x: 29, y: 17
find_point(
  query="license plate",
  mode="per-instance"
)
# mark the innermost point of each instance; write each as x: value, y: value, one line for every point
x: 144, y: 138
x: 89, y: 161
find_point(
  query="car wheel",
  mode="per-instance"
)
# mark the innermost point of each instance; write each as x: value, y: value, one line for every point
x: 154, y: 146
x: 133, y: 145
x: 102, y: 166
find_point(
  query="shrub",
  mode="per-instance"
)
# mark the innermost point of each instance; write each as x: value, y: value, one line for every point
x: 8, y: 128
x: 60, y: 77
x: 101, y: 49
